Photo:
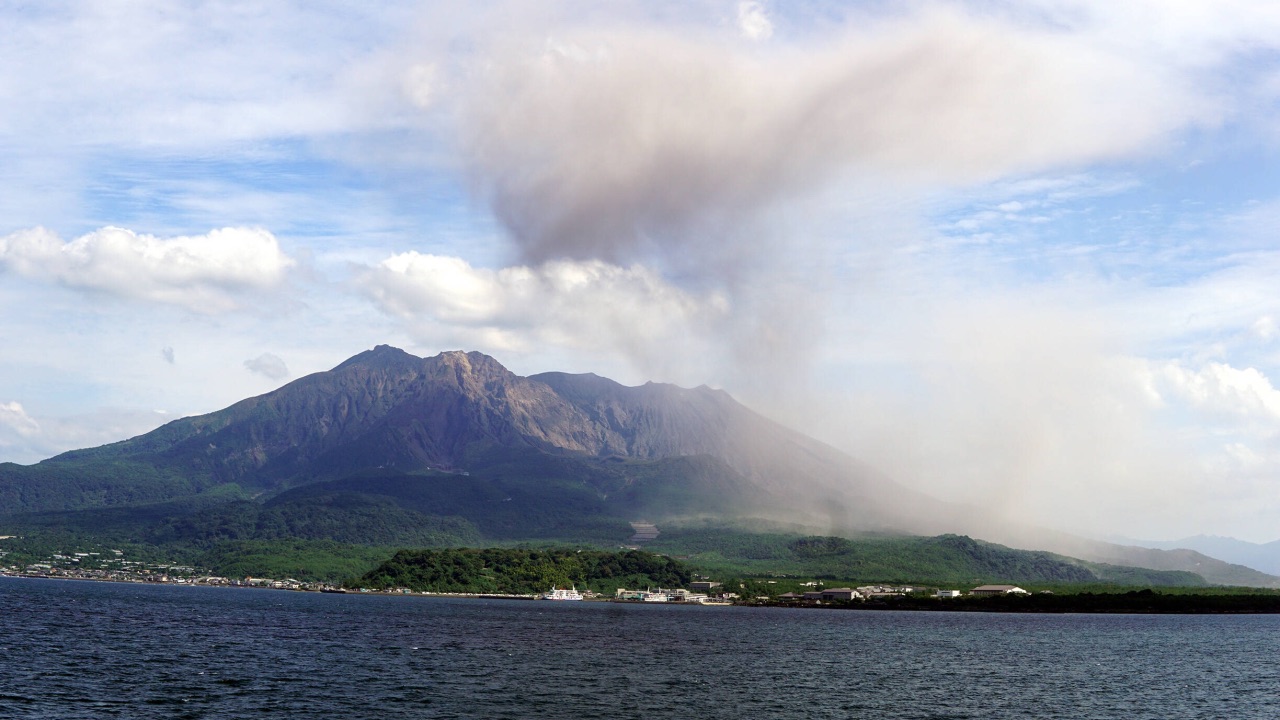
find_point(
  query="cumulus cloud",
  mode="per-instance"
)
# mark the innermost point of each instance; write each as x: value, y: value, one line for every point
x: 589, y: 305
x: 269, y: 366
x: 1222, y: 390
x: 204, y: 273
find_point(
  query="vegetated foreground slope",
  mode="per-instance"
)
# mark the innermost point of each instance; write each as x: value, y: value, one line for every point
x: 897, y: 559
x: 522, y: 572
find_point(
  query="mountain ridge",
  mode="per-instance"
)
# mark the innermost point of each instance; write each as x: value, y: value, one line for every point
x: 390, y: 409
x: 1264, y: 557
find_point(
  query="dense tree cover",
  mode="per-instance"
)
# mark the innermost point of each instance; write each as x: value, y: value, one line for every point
x: 229, y: 534
x: 504, y: 503
x: 1135, y: 576
x: 201, y: 521
x: 307, y: 560
x: 945, y: 559
x: 522, y: 570
x: 71, y: 483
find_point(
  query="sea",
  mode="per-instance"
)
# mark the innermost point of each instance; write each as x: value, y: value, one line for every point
x: 83, y: 649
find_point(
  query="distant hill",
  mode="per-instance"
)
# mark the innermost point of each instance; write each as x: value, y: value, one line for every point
x: 1218, y: 572
x: 1264, y: 557
x: 954, y: 559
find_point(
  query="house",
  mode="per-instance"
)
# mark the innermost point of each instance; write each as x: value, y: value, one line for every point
x: 840, y: 594
x: 948, y: 593
x: 998, y: 590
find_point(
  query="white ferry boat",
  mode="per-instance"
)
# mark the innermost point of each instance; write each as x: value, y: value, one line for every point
x: 559, y: 594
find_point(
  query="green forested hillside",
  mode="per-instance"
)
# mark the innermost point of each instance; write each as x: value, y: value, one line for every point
x: 521, y: 571
x: 306, y: 560
x: 342, y: 517
x: 893, y: 559
x: 512, y: 495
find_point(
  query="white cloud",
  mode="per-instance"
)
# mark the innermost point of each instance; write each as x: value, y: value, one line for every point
x: 590, y: 305
x: 269, y: 366
x: 1264, y: 328
x: 753, y: 22
x: 419, y: 84
x: 16, y: 420
x: 1222, y: 390
x: 204, y: 273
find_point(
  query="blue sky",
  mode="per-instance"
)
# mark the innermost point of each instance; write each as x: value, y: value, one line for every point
x: 1017, y: 254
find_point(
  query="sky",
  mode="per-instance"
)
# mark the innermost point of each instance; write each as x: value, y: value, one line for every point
x: 1019, y: 254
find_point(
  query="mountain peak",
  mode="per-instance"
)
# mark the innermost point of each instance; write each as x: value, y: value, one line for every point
x: 466, y: 360
x: 380, y: 356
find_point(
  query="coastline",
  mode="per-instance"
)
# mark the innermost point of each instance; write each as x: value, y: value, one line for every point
x: 1138, y: 602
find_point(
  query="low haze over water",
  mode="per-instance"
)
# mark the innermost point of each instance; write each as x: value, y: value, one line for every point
x: 91, y: 650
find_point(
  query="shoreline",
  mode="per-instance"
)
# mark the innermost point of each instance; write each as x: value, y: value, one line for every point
x: 1130, y: 603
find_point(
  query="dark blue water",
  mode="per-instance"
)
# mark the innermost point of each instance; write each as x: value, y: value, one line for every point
x: 98, y: 650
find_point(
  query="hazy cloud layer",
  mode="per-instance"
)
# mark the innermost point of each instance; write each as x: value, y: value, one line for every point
x: 202, y: 273
x: 22, y: 436
x: 161, y: 74
x: 626, y: 144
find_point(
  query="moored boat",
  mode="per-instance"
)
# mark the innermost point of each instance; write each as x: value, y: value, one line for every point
x: 561, y: 594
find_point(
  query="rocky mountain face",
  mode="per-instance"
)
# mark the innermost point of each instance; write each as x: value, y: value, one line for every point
x: 387, y: 410
x: 382, y: 408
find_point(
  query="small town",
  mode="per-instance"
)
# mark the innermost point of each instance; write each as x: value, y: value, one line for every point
x: 112, y: 566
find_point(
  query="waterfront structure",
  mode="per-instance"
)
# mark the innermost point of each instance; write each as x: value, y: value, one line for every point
x: 998, y: 590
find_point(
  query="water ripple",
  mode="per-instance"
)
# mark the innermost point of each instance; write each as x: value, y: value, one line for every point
x: 91, y: 650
